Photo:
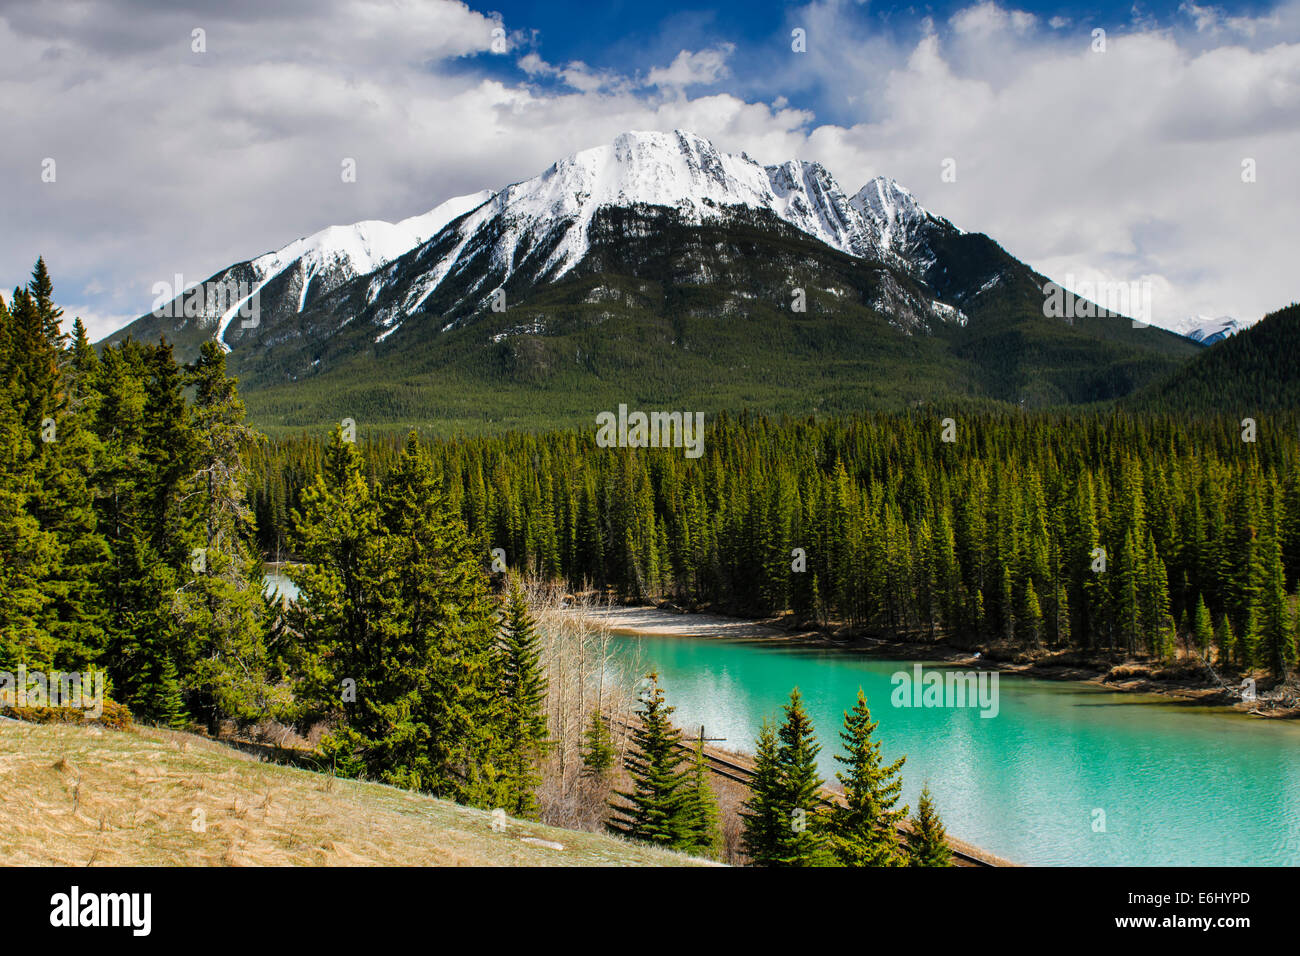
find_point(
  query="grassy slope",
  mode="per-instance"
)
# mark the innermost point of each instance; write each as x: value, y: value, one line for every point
x: 77, y: 796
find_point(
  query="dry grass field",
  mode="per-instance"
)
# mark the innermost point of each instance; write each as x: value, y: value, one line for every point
x: 86, y: 796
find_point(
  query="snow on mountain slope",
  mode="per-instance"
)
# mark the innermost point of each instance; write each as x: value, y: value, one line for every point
x: 1207, y: 330
x: 543, y: 224
x: 894, y: 216
x: 326, y: 259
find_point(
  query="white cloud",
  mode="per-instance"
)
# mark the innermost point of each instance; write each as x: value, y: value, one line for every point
x: 98, y: 324
x: 1120, y: 165
x: 690, y: 69
x: 1124, y: 166
x: 987, y: 18
x: 1214, y: 20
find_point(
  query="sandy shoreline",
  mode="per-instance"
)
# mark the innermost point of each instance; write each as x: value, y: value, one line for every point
x: 656, y: 622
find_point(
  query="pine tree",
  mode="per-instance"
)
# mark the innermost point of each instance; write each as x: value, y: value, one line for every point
x: 1202, y: 627
x: 800, y: 842
x: 702, y: 808
x: 928, y: 845
x: 864, y: 831
x: 1277, y: 649
x: 523, y: 694
x: 63, y: 466
x: 597, y: 746
x: 27, y: 552
x: 1032, y: 619
x: 337, y: 533
x: 1226, y: 640
x: 763, y: 814
x: 656, y: 809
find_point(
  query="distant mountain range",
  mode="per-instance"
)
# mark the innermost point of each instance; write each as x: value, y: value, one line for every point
x: 655, y: 270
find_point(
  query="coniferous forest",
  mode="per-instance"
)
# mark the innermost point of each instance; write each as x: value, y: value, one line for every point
x: 1133, y: 535
x: 137, y: 507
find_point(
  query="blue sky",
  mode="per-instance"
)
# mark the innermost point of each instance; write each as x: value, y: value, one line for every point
x: 1122, y: 164
x: 635, y: 38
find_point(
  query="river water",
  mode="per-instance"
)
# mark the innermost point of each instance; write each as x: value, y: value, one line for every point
x: 1065, y: 773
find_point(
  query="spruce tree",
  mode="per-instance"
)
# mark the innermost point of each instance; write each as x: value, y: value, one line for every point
x: 27, y: 552
x: 801, y: 841
x: 864, y: 830
x: 763, y: 814
x: 436, y: 607
x: 656, y: 809
x: 1226, y: 639
x: 220, y: 606
x: 597, y: 746
x: 928, y: 845
x: 1202, y: 627
x: 523, y: 696
x: 702, y: 808
x: 336, y: 531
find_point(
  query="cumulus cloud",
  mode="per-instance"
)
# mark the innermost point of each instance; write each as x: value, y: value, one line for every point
x: 1214, y: 20
x: 1124, y: 165
x: 693, y: 69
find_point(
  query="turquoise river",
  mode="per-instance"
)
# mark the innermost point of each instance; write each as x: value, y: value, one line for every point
x: 1065, y: 773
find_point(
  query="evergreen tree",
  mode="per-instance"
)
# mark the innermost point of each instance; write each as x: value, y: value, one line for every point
x: 1202, y: 627
x: 763, y: 814
x: 337, y: 534
x: 928, y: 845
x: 27, y: 552
x: 800, y: 842
x: 523, y: 695
x: 657, y: 808
x: 864, y: 831
x: 395, y: 605
x: 220, y: 607
x: 702, y: 808
x: 597, y: 745
x: 1226, y: 640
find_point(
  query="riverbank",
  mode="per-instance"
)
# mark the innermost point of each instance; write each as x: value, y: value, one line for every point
x: 1185, y: 680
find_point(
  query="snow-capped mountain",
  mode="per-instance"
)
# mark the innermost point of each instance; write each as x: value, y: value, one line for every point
x: 542, y: 226
x: 539, y: 230
x: 660, y: 258
x: 895, y: 219
x: 1207, y: 330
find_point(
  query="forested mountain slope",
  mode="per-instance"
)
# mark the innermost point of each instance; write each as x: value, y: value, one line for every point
x: 1256, y: 370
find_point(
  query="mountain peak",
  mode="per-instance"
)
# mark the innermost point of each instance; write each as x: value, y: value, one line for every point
x: 1208, y: 330
x: 893, y: 211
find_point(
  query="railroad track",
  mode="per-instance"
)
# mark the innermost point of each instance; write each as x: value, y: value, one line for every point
x: 963, y: 854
